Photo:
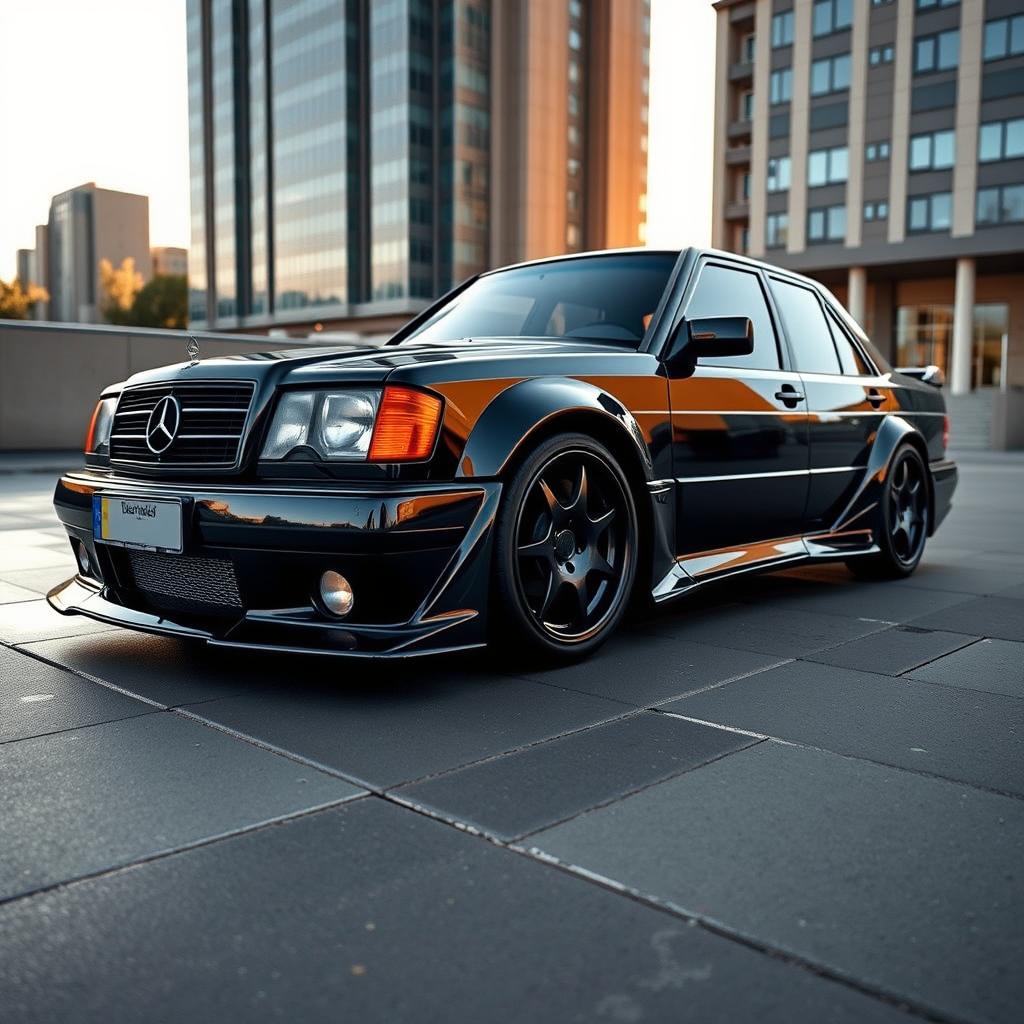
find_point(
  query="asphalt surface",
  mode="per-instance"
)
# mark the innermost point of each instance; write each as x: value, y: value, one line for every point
x: 798, y: 797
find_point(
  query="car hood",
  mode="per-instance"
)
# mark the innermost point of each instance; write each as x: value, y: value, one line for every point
x: 367, y: 364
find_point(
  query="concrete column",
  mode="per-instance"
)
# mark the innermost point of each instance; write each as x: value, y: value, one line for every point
x: 857, y: 294
x: 968, y: 107
x: 963, y: 328
x: 799, y: 118
x: 759, y: 133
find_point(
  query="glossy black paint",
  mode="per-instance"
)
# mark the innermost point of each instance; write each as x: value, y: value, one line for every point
x: 733, y: 469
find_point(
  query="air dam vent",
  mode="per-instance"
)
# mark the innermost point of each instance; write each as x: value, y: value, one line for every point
x: 184, y: 583
x: 207, y: 422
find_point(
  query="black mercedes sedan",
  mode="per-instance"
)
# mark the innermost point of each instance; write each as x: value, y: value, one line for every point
x: 543, y: 446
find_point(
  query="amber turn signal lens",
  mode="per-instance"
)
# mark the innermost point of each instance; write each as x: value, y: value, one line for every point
x: 90, y: 435
x: 406, y: 426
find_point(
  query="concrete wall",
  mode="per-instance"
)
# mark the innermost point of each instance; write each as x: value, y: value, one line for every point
x: 52, y: 374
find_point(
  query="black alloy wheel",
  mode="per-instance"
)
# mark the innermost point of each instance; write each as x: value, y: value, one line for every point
x: 902, y: 524
x: 566, y: 548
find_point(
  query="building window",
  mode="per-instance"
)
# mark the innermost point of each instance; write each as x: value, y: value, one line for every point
x: 1002, y: 205
x: 575, y: 42
x: 832, y: 16
x: 782, y: 29
x: 939, y: 52
x: 1004, y: 37
x: 933, y: 151
x: 876, y: 211
x: 881, y: 3
x: 880, y: 55
x: 776, y: 230
x: 572, y: 167
x: 924, y: 5
x: 778, y: 174
x: 1001, y: 140
x: 876, y: 151
x: 929, y: 213
x: 830, y: 75
x: 782, y: 85
x: 826, y: 224
x: 745, y: 185
x: 747, y: 48
x: 747, y: 105
x: 827, y: 166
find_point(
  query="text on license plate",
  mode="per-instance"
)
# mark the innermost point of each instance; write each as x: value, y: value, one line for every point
x: 150, y: 523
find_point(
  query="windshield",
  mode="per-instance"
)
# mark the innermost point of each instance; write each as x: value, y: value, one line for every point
x: 602, y: 298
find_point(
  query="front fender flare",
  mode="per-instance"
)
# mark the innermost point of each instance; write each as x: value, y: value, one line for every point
x: 520, y: 410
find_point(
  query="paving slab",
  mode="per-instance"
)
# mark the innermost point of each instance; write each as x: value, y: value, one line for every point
x: 519, y: 793
x: 394, y: 918
x: 846, y: 595
x: 168, y: 670
x: 765, y: 629
x: 90, y: 799
x: 36, y: 620
x: 966, y: 735
x: 1000, y: 617
x: 962, y: 579
x: 996, y: 666
x: 39, y: 581
x: 10, y: 593
x: 903, y: 882
x: 893, y: 651
x: 645, y: 670
x: 383, y: 729
x: 36, y: 699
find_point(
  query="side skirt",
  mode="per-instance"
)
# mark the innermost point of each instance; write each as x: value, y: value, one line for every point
x: 693, y: 570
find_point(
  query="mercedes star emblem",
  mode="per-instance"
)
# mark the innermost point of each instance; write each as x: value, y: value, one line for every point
x: 162, y: 425
x: 192, y: 348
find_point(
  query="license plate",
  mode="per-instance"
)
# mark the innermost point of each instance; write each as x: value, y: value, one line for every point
x: 152, y: 524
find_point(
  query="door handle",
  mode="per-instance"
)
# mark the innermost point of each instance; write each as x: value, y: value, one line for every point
x: 876, y: 398
x: 789, y: 396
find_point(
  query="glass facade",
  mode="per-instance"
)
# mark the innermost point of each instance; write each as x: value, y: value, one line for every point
x: 340, y: 153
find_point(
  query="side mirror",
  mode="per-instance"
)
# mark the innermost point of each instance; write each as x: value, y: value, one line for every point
x: 711, y: 337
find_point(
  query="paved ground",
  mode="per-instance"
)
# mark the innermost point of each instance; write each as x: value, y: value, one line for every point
x: 801, y: 798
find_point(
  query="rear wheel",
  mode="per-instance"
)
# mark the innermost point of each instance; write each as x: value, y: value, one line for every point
x: 565, y: 550
x: 902, y: 521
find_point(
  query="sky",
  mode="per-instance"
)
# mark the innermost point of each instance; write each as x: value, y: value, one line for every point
x: 96, y: 90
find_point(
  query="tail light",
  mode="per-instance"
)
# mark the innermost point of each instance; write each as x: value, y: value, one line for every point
x: 406, y: 426
x: 945, y: 432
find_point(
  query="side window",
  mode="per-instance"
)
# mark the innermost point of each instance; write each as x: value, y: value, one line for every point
x: 723, y: 291
x: 850, y: 359
x: 806, y: 328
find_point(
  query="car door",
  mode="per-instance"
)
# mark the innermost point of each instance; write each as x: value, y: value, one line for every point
x: 739, y: 436
x: 846, y: 399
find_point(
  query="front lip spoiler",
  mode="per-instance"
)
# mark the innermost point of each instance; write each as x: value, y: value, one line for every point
x: 292, y: 635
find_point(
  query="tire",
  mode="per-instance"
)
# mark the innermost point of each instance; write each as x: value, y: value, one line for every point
x: 565, y: 552
x: 901, y: 523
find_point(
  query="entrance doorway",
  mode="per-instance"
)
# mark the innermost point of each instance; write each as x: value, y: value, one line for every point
x: 991, y: 324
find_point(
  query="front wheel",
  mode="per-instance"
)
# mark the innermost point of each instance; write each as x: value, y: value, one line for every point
x: 565, y: 550
x: 901, y: 525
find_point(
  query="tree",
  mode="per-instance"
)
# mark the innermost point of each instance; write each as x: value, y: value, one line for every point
x: 120, y: 285
x: 16, y: 301
x: 162, y: 303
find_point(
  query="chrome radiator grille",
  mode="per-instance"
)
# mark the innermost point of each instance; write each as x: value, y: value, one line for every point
x: 210, y: 424
x: 183, y: 582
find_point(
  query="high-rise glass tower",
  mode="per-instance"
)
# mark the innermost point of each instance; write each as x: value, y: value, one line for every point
x: 351, y: 160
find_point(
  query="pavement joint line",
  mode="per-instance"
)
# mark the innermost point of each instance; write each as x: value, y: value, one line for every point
x: 929, y: 661
x: 36, y: 656
x: 723, y: 682
x: 78, y: 728
x: 808, y: 660
x: 721, y: 930
x: 220, y: 837
x: 923, y: 773
x: 675, y: 911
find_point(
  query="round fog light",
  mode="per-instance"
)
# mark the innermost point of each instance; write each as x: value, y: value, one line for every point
x: 336, y: 593
x: 82, y: 554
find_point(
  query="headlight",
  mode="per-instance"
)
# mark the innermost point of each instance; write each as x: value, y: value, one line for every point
x: 97, y: 440
x: 394, y: 425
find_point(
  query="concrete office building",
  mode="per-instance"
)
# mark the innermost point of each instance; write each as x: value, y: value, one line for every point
x: 351, y: 160
x: 88, y: 224
x: 878, y: 145
x: 169, y: 259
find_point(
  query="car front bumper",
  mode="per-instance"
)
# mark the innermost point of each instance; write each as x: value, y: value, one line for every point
x: 417, y: 556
